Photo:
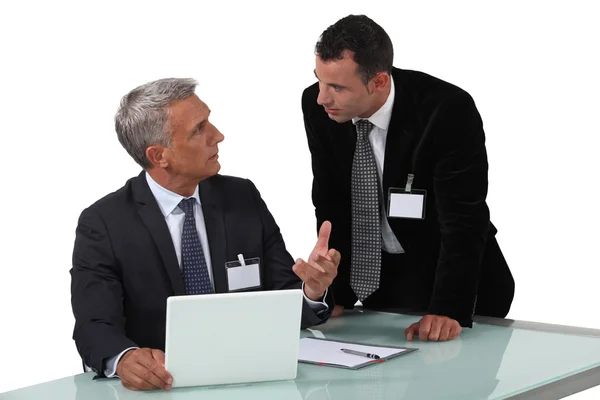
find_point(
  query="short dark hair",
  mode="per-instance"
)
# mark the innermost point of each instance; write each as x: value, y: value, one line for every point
x: 371, y: 46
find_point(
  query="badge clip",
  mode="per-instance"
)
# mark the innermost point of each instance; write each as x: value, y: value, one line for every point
x: 409, y: 183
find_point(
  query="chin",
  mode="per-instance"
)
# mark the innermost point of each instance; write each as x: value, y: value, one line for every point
x: 340, y: 118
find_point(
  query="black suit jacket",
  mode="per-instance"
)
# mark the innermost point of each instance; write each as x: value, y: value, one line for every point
x: 125, y: 265
x: 452, y: 263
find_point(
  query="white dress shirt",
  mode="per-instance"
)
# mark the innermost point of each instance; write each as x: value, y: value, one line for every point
x: 381, y: 121
x: 168, y: 202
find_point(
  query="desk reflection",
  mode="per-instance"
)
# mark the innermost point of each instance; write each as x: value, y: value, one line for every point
x: 112, y: 389
x: 438, y: 370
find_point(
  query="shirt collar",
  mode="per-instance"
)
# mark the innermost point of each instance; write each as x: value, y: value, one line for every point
x: 381, y: 118
x: 167, y: 200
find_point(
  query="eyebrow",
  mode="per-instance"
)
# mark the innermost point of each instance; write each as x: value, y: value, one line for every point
x: 329, y: 84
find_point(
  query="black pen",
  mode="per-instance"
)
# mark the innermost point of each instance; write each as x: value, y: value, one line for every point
x: 360, y: 353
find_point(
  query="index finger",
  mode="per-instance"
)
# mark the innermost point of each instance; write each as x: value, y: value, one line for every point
x: 159, y: 356
x: 411, y: 330
x: 324, y: 232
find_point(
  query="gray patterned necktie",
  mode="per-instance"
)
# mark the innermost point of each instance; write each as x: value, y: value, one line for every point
x: 366, y: 223
x: 195, y: 271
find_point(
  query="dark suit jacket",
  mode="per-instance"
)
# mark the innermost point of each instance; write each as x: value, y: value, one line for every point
x: 452, y: 262
x: 125, y: 265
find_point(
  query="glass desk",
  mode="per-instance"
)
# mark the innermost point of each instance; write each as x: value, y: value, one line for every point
x: 497, y: 359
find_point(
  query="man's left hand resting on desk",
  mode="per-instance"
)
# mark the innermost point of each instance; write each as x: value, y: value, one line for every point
x: 434, y: 328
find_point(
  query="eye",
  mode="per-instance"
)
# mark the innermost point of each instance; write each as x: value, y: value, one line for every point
x: 336, y: 88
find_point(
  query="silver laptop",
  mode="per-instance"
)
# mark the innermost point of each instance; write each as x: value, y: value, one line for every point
x: 229, y: 338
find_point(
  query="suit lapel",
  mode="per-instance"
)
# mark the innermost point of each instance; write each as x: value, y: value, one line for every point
x: 154, y: 220
x: 215, y: 230
x: 399, y: 151
x: 396, y: 166
x: 348, y: 145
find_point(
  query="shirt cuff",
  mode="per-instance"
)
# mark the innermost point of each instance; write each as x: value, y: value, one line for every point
x: 316, y: 305
x: 110, y: 367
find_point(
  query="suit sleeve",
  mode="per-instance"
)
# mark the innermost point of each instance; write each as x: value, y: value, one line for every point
x: 460, y: 186
x: 328, y: 201
x: 278, y: 264
x: 96, y: 295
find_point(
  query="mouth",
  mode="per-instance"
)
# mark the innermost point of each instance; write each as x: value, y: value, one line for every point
x: 331, y: 110
x: 214, y: 158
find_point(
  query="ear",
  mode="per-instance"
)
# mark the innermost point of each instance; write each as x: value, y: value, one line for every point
x: 380, y: 81
x: 156, y: 155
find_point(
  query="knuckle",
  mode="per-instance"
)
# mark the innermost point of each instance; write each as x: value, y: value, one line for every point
x: 137, y: 354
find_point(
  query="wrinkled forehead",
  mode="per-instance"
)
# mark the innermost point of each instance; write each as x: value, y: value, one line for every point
x: 187, y: 113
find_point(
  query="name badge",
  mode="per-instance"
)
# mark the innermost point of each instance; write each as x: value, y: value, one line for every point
x: 407, y: 202
x: 243, y: 274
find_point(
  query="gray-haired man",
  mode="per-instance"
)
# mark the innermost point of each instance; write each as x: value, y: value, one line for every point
x: 177, y: 220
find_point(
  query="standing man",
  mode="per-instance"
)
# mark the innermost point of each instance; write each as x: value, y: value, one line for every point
x: 400, y: 169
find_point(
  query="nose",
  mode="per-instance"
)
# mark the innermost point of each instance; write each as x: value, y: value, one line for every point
x: 324, y: 97
x: 217, y: 136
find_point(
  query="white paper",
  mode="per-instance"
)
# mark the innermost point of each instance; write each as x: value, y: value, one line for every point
x: 406, y: 205
x: 243, y: 277
x: 329, y: 352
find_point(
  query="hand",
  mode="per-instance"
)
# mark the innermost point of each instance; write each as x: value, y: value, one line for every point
x: 321, y: 268
x: 144, y: 369
x: 337, y: 311
x: 434, y: 327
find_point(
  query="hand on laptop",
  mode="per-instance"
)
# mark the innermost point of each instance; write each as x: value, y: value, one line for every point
x: 318, y: 273
x: 144, y: 369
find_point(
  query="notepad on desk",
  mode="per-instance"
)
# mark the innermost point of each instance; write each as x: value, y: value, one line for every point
x: 329, y: 352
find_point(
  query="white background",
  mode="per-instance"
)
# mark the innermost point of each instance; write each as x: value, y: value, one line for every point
x: 531, y: 68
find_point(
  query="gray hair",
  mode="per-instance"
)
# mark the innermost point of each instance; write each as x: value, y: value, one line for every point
x: 142, y: 119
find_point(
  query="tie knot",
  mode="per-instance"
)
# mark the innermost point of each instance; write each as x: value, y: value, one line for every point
x: 187, y: 205
x: 363, y: 128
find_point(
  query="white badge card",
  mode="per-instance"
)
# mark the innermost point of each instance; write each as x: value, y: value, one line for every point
x: 403, y: 204
x: 243, y: 274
